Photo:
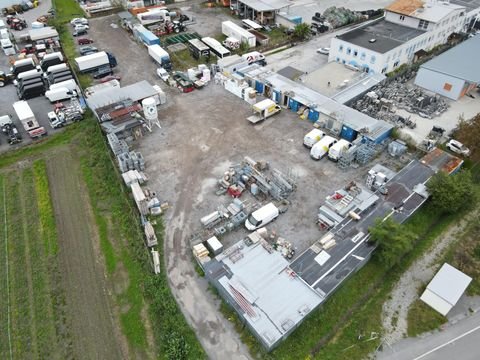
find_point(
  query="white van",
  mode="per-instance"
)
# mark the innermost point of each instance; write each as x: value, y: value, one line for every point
x: 4, y: 34
x: 261, y: 217
x: 338, y: 149
x: 69, y: 84
x: 7, y: 47
x: 313, y: 137
x: 320, y: 149
x: 55, y: 68
x: 60, y: 94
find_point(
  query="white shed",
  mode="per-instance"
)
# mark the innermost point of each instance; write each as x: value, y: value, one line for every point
x: 446, y: 287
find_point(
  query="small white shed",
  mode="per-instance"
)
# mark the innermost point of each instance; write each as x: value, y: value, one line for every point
x: 445, y: 289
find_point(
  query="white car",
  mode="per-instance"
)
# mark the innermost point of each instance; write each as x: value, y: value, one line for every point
x: 458, y: 147
x: 81, y: 27
x: 79, y: 21
x: 324, y: 50
x: 163, y: 74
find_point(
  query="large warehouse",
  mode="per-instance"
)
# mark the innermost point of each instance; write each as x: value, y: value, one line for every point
x: 453, y: 73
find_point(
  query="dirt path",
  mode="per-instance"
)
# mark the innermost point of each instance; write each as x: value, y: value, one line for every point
x: 88, y: 310
x: 421, y: 271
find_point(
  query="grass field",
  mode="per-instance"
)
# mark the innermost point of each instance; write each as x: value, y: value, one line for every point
x: 31, y: 301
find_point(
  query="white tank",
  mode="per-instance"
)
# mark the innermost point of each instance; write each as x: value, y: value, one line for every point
x: 191, y: 74
x: 206, y: 74
x: 150, y: 109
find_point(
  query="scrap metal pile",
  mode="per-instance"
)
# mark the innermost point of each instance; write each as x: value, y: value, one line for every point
x: 383, y: 101
x: 338, y: 17
x: 252, y: 175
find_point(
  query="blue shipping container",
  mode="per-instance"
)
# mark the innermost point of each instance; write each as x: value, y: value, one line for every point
x: 259, y: 87
x: 295, y: 19
x: 348, y: 133
x: 313, y: 115
x: 276, y: 96
x: 292, y: 104
x: 383, y: 136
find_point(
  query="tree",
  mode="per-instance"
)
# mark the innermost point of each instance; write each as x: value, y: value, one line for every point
x: 450, y: 193
x: 468, y: 132
x: 301, y: 31
x: 393, y: 241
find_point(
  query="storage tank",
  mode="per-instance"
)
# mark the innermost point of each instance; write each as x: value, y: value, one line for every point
x: 150, y: 109
x: 206, y: 75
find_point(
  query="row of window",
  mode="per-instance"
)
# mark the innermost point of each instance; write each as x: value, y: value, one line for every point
x: 354, y: 52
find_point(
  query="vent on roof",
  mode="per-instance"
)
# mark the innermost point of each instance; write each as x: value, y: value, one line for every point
x: 372, y: 40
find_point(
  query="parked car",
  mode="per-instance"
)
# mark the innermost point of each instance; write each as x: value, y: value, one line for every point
x: 85, y: 50
x: 163, y: 74
x: 84, y: 41
x: 79, y: 21
x: 102, y: 72
x: 324, y: 50
x: 458, y: 147
x: 110, y: 78
x: 81, y: 27
x: 80, y: 32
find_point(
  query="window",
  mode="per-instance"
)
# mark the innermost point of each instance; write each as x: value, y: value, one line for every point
x: 363, y: 56
x: 340, y: 48
x: 384, y: 70
x: 423, y: 24
x: 355, y: 52
x: 349, y: 51
x: 373, y: 59
x: 447, y: 87
x: 402, y: 17
x: 395, y: 64
x: 343, y: 61
x: 337, y: 59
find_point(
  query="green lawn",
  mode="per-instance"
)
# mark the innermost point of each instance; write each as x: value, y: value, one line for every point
x: 422, y: 318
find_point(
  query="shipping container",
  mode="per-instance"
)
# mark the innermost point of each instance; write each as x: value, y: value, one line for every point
x: 230, y: 29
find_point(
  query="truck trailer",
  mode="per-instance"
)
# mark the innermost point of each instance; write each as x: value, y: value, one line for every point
x: 28, y: 120
x: 264, y: 109
x: 160, y: 56
x: 92, y: 62
x: 230, y: 29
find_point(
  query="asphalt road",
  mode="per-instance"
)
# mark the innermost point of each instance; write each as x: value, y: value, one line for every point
x: 458, y: 341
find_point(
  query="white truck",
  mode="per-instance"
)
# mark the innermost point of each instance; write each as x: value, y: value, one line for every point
x: 338, y: 149
x: 28, y: 120
x: 230, y: 29
x: 254, y: 57
x: 264, y: 109
x: 231, y: 43
x: 160, y: 56
x: 313, y: 137
x: 320, y: 149
x: 92, y: 62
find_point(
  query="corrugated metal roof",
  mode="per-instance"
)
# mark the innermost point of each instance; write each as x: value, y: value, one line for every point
x: 265, y: 5
x: 460, y: 62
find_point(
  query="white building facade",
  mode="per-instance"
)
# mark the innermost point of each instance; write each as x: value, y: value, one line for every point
x: 408, y: 26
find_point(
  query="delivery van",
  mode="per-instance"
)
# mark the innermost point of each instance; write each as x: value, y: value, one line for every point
x: 7, y: 47
x: 338, y: 149
x: 30, y: 74
x: 55, y: 69
x: 320, y: 149
x: 60, y: 94
x: 69, y: 84
x: 313, y: 137
x: 261, y: 217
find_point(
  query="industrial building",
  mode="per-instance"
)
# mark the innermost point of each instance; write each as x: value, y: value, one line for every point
x: 261, y: 11
x: 445, y: 289
x: 409, y: 27
x: 273, y: 296
x: 329, y: 114
x: 453, y: 73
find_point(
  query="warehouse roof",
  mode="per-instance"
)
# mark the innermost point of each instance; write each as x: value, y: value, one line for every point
x: 387, y: 36
x: 265, y: 5
x: 426, y: 10
x: 445, y: 289
x: 460, y: 61
x: 258, y: 284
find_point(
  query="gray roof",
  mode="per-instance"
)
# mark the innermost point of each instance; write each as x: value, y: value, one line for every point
x: 134, y: 92
x: 460, y: 62
x: 449, y: 283
x: 469, y: 4
x: 265, y: 5
x: 387, y: 35
x: 358, y: 88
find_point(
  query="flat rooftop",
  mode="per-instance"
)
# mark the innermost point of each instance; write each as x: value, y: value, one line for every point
x: 468, y: 4
x: 258, y: 283
x: 438, y: 160
x: 351, y: 249
x: 345, y: 83
x: 432, y: 11
x: 265, y: 5
x: 387, y: 36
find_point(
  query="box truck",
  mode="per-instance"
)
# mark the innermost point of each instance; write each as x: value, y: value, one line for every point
x: 338, y: 149
x: 31, y: 90
x: 160, y: 56
x: 20, y: 66
x: 92, y: 62
x: 50, y: 60
x: 27, y: 118
x: 320, y: 149
x: 230, y: 29
x: 263, y: 110
x: 313, y: 137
